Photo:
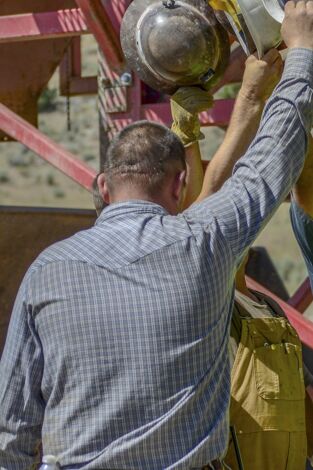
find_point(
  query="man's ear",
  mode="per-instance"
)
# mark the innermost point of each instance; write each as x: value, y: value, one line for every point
x: 179, y: 185
x: 103, y: 188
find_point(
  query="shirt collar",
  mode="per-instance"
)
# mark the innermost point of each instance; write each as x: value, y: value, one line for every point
x: 127, y: 207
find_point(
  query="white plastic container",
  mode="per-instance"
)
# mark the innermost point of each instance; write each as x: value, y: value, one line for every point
x: 262, y: 24
x: 276, y: 9
x: 49, y: 462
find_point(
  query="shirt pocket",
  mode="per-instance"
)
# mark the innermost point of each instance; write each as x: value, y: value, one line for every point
x: 279, y: 372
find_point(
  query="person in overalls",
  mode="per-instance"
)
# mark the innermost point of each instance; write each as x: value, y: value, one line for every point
x: 277, y: 383
x: 267, y: 385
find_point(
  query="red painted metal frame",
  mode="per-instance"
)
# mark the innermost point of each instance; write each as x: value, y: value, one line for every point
x: 21, y: 130
x: 62, y: 23
x: 303, y: 297
x: 219, y: 115
x: 303, y: 326
x: 79, y: 86
x: 71, y: 81
x: 104, y: 20
x: 100, y: 24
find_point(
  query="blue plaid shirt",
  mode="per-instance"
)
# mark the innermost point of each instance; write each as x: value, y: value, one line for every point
x: 116, y: 355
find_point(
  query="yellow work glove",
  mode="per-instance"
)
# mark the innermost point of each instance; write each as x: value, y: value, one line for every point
x: 186, y: 104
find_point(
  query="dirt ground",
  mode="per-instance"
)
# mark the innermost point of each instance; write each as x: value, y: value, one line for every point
x: 26, y: 180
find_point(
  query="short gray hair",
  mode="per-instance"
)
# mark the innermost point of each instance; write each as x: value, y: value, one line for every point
x: 141, y: 154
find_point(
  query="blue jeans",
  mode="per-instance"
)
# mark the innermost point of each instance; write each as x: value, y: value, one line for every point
x: 302, y: 225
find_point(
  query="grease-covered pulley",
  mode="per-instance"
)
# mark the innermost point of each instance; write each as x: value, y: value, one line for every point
x: 173, y: 43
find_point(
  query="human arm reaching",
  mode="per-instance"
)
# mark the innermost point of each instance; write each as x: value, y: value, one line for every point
x: 262, y: 178
x: 302, y: 202
x: 259, y: 80
x: 186, y: 104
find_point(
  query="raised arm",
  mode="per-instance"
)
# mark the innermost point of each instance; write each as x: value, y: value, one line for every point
x: 263, y: 177
x: 259, y: 80
x: 186, y: 104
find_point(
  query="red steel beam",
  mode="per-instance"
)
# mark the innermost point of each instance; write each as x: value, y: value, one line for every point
x: 303, y: 326
x: 72, y: 83
x: 22, y: 131
x: 83, y: 86
x: 219, y: 115
x: 62, y: 23
x: 101, y: 26
x: 303, y: 297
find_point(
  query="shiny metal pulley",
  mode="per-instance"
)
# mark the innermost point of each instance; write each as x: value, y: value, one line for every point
x: 173, y: 43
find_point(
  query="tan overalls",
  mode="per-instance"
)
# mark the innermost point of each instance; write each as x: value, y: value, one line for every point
x: 267, y: 395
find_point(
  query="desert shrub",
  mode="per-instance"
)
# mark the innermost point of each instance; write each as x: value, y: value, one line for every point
x: 4, y: 177
x: 48, y: 100
x: 22, y: 159
x: 50, y: 179
x: 89, y: 157
x: 59, y: 193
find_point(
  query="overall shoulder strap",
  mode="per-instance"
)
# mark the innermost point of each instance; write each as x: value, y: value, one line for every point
x: 274, y: 306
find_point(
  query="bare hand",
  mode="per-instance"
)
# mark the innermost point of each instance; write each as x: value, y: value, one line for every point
x: 297, y: 27
x: 261, y: 76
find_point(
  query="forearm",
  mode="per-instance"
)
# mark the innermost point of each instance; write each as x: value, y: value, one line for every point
x: 264, y: 175
x: 194, y: 174
x: 240, y: 133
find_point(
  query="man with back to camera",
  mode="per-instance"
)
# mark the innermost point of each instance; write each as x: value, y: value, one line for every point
x: 272, y: 433
x: 112, y: 358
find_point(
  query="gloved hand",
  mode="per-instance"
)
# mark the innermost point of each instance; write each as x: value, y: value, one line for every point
x: 186, y: 104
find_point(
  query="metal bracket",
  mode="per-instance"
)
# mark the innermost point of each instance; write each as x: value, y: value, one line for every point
x: 125, y: 80
x: 169, y: 3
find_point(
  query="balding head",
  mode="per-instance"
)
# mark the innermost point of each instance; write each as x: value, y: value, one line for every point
x: 143, y: 155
